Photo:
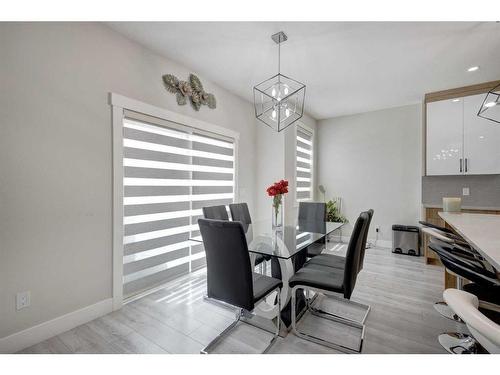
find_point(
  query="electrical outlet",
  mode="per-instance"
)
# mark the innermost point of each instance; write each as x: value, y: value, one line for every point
x: 23, y: 300
x: 465, y: 191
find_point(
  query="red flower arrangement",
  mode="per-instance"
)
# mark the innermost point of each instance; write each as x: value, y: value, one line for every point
x: 276, y: 191
x: 278, y: 188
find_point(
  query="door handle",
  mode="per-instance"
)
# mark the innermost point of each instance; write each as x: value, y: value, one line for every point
x: 466, y: 168
x: 460, y: 165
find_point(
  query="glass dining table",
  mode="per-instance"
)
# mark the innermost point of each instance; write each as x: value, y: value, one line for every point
x: 286, y: 248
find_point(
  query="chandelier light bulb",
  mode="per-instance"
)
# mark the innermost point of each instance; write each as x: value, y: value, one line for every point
x: 490, y: 104
x: 286, y: 90
x: 274, y: 114
x: 273, y: 93
x: 287, y: 112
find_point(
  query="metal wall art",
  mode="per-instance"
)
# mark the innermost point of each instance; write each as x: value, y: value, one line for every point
x: 191, y: 89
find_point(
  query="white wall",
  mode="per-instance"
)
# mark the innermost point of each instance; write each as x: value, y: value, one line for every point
x: 55, y: 158
x: 275, y: 161
x: 373, y: 160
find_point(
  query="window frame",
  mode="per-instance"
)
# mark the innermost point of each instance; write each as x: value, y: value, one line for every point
x: 119, y: 105
x: 309, y: 129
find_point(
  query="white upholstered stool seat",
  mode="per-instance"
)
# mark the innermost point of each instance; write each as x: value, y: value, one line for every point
x: 484, y: 330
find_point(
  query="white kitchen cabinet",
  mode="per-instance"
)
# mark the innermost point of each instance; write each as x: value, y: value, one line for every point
x: 458, y: 141
x: 481, y: 140
x: 444, y: 137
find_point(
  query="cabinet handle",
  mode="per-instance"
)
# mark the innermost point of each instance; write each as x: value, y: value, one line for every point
x: 460, y: 165
x: 466, y: 168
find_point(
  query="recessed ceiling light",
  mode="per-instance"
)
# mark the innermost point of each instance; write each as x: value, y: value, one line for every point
x: 473, y: 68
x: 455, y: 100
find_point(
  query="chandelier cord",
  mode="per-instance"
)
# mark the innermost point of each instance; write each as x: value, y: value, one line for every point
x: 279, y: 55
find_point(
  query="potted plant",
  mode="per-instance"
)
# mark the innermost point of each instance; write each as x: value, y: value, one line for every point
x: 333, y: 213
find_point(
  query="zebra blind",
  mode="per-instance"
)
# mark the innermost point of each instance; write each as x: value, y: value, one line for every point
x: 304, y: 164
x: 170, y: 173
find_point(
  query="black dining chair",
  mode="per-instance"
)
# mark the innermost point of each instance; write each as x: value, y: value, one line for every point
x: 229, y: 273
x: 215, y: 213
x: 337, y: 261
x: 311, y: 213
x: 240, y: 212
x: 337, y: 283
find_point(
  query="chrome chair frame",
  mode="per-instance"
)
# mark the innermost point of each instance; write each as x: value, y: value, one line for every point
x: 241, y: 313
x: 327, y: 315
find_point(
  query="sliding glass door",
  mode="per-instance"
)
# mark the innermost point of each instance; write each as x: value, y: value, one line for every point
x: 170, y: 172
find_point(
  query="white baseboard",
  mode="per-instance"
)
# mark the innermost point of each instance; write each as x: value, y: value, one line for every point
x: 31, y: 336
x: 380, y: 243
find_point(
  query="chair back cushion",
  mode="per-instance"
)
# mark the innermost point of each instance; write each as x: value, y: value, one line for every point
x: 229, y: 273
x: 240, y: 212
x: 354, y: 252
x: 363, y: 249
x: 215, y: 213
x: 312, y: 211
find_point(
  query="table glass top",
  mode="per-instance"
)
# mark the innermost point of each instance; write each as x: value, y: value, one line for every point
x: 288, y: 241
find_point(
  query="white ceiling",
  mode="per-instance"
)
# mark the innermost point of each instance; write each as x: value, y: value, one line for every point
x: 347, y: 67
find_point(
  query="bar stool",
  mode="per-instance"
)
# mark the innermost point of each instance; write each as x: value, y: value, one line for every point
x: 484, y: 331
x: 455, y: 244
x: 485, y: 284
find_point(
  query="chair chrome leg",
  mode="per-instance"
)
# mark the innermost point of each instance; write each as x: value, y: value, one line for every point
x: 320, y: 312
x: 214, y: 342
x: 240, y: 313
x: 332, y: 317
x: 458, y: 343
x: 443, y: 309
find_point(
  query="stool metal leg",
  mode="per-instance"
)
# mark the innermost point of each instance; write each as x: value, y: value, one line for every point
x: 443, y: 309
x: 458, y: 343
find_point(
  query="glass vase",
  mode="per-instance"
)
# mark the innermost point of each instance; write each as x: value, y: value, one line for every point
x: 277, y: 212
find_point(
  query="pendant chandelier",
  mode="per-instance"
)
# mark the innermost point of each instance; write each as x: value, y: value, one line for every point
x: 490, y: 109
x: 279, y: 100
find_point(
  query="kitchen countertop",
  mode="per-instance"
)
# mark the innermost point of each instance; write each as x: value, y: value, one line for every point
x: 463, y: 207
x: 482, y: 231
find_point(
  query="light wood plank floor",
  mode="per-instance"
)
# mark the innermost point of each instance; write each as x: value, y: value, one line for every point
x: 175, y: 319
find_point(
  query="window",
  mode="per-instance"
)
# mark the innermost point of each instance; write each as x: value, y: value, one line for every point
x: 303, y: 164
x: 170, y: 172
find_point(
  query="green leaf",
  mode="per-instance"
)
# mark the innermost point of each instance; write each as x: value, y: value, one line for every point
x: 171, y: 83
x: 211, y: 102
x: 196, y: 105
x: 333, y: 214
x: 195, y: 83
x: 181, y: 99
